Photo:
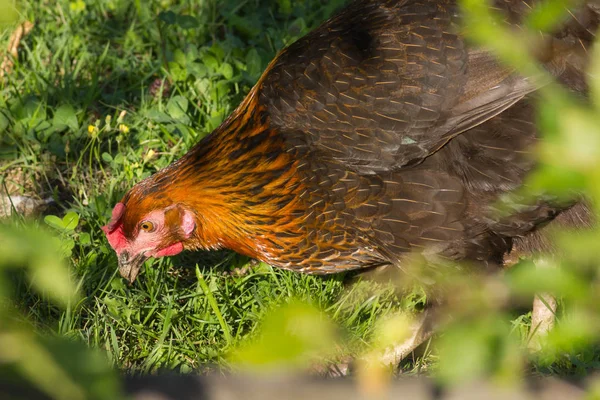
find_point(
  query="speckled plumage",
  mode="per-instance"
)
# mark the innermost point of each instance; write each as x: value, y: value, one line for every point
x: 378, y: 134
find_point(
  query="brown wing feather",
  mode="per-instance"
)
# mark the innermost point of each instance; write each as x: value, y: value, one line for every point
x: 385, y: 84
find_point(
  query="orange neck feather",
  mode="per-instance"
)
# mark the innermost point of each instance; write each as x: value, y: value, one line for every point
x: 240, y: 182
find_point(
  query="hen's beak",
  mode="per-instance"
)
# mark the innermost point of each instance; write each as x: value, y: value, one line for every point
x: 129, y: 267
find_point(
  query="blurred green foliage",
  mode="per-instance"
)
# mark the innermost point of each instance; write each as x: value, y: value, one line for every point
x: 9, y: 13
x: 56, y: 366
x: 105, y: 93
x: 292, y: 336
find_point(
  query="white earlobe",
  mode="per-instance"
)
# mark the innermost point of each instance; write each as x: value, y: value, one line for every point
x: 188, y: 224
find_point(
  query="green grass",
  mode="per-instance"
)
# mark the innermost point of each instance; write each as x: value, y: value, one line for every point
x: 82, y: 119
x: 77, y: 72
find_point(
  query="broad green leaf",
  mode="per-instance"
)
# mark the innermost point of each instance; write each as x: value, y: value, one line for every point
x: 196, y: 69
x: 227, y: 70
x: 30, y: 110
x: 253, y: 63
x: 177, y: 108
x: 70, y: 221
x: 168, y: 17
x: 217, y: 50
x: 215, y: 119
x: 187, y: 22
x: 179, y: 57
x: 178, y: 72
x: 54, y: 221
x: 85, y: 238
x: 210, y: 62
x: 157, y: 116
x: 65, y: 116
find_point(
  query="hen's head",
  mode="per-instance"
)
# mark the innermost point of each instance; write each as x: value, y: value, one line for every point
x: 136, y: 235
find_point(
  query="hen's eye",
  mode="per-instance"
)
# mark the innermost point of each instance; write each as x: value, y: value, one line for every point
x: 147, y: 226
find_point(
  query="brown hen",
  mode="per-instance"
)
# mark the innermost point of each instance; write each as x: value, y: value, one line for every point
x: 381, y: 133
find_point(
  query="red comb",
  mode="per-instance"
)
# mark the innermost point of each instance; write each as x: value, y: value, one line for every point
x: 117, y: 213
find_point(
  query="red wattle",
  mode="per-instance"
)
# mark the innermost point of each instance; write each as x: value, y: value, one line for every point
x: 169, y: 251
x: 115, y: 237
